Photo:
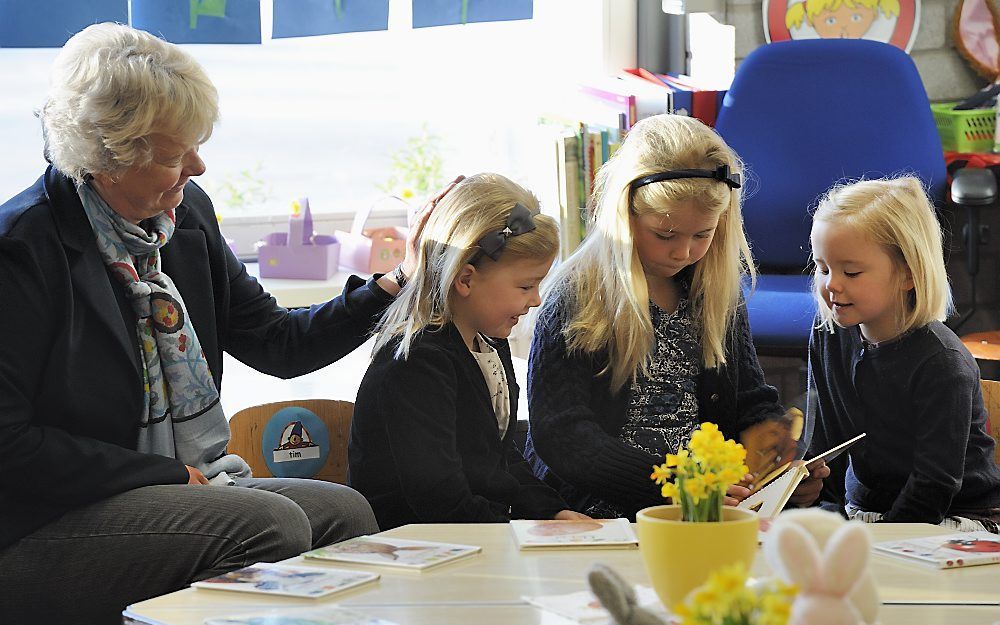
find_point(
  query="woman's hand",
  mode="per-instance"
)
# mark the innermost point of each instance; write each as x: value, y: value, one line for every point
x: 388, y: 282
x: 735, y: 494
x: 195, y: 476
x: 570, y: 515
x: 807, y: 492
x: 417, y: 227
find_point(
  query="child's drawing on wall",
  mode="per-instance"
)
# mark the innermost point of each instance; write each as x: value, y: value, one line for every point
x: 890, y: 21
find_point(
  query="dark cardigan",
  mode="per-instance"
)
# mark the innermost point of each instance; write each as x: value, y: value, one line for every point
x: 927, y: 453
x: 574, y: 439
x: 71, y: 388
x: 425, y: 445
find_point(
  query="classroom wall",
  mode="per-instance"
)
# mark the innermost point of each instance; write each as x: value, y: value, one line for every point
x: 945, y: 73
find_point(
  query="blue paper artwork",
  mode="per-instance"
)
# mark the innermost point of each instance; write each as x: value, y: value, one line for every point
x: 306, y: 18
x: 199, y: 21
x: 442, y: 12
x: 49, y: 23
x: 295, y: 443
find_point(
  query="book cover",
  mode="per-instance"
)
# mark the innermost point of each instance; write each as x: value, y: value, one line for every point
x: 768, y: 501
x: 569, y: 189
x: 769, y: 496
x: 396, y: 552
x: 283, y: 579
x: 331, y: 615
x: 582, y: 533
x: 950, y: 551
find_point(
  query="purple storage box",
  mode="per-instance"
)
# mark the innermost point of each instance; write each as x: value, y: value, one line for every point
x: 299, y: 253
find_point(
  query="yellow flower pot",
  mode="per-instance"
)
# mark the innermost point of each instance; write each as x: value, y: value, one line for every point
x: 680, y: 555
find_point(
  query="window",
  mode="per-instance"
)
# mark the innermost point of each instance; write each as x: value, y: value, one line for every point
x: 321, y: 116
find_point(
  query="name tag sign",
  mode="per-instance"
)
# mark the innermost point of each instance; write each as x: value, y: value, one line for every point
x: 295, y: 443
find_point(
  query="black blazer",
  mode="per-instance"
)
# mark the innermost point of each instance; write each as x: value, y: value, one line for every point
x: 425, y: 445
x: 70, y: 374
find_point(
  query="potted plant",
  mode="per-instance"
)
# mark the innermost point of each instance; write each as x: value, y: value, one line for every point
x: 683, y: 542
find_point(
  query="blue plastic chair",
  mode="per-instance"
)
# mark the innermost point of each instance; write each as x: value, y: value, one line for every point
x: 803, y: 115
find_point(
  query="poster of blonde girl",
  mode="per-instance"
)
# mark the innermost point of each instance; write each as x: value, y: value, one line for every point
x: 890, y: 21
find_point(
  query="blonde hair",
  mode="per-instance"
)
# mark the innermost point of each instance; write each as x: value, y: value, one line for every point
x: 604, y: 280
x: 897, y: 215
x: 477, y: 206
x: 809, y: 9
x: 113, y: 86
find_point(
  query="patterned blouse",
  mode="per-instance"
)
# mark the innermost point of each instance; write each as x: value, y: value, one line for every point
x: 663, y: 411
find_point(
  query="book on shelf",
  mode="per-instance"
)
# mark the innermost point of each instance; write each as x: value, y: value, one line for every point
x: 395, y: 552
x: 289, y: 580
x: 574, y: 534
x: 949, y: 551
x: 769, y: 496
x: 328, y: 615
x: 568, y: 172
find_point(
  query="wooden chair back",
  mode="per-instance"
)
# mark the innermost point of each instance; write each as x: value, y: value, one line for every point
x: 991, y: 397
x: 248, y: 424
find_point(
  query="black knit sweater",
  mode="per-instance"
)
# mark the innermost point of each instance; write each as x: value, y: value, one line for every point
x: 927, y: 454
x: 575, y: 422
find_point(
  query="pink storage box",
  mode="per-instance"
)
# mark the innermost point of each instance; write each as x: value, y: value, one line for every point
x: 371, y: 250
x: 299, y: 253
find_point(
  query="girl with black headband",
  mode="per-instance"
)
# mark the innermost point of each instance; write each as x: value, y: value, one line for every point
x: 432, y: 435
x: 643, y: 334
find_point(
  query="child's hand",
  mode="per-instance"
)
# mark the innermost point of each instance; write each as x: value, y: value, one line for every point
x: 735, y: 494
x: 569, y: 515
x: 807, y: 492
x: 195, y: 476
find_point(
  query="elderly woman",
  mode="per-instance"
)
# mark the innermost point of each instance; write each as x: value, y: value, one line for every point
x: 118, y: 296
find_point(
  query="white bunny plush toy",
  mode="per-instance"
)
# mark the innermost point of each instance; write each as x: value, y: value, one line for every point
x: 827, y: 558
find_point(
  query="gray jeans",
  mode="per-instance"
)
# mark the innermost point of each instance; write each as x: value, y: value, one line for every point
x: 87, y: 566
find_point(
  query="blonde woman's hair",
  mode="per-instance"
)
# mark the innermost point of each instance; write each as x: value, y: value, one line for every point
x: 478, y: 205
x: 112, y: 87
x: 604, y: 281
x: 897, y: 215
x: 809, y: 9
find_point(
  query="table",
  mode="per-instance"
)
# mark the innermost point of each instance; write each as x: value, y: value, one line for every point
x: 486, y: 589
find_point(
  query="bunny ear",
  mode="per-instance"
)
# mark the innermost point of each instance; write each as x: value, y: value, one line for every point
x: 795, y: 556
x: 845, y: 558
x: 976, y: 28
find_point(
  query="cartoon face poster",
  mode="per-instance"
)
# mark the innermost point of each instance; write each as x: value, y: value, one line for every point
x: 891, y: 21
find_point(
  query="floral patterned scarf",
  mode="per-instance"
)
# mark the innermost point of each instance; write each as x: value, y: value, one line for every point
x: 182, y: 417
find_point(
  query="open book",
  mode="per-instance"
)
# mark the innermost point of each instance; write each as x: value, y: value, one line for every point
x: 770, y: 494
x: 283, y: 579
x: 397, y: 552
x: 948, y: 551
x: 585, y: 533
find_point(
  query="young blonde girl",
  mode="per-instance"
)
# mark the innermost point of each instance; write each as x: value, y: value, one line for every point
x: 643, y: 334
x: 432, y: 434
x: 882, y: 362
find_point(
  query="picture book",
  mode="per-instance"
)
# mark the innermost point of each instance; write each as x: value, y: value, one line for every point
x: 330, y: 615
x: 583, y: 606
x: 769, y: 496
x: 767, y: 502
x: 582, y: 533
x: 950, y: 551
x: 283, y: 579
x: 397, y: 552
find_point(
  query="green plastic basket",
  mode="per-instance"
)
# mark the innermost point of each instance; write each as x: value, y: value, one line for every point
x: 965, y: 131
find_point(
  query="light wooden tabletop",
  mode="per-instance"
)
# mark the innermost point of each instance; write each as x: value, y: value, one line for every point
x: 488, y: 588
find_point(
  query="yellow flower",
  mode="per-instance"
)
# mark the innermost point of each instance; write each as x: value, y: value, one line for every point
x: 407, y: 194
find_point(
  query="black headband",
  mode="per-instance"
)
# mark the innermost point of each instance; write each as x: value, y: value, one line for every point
x: 720, y: 173
x: 520, y: 221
